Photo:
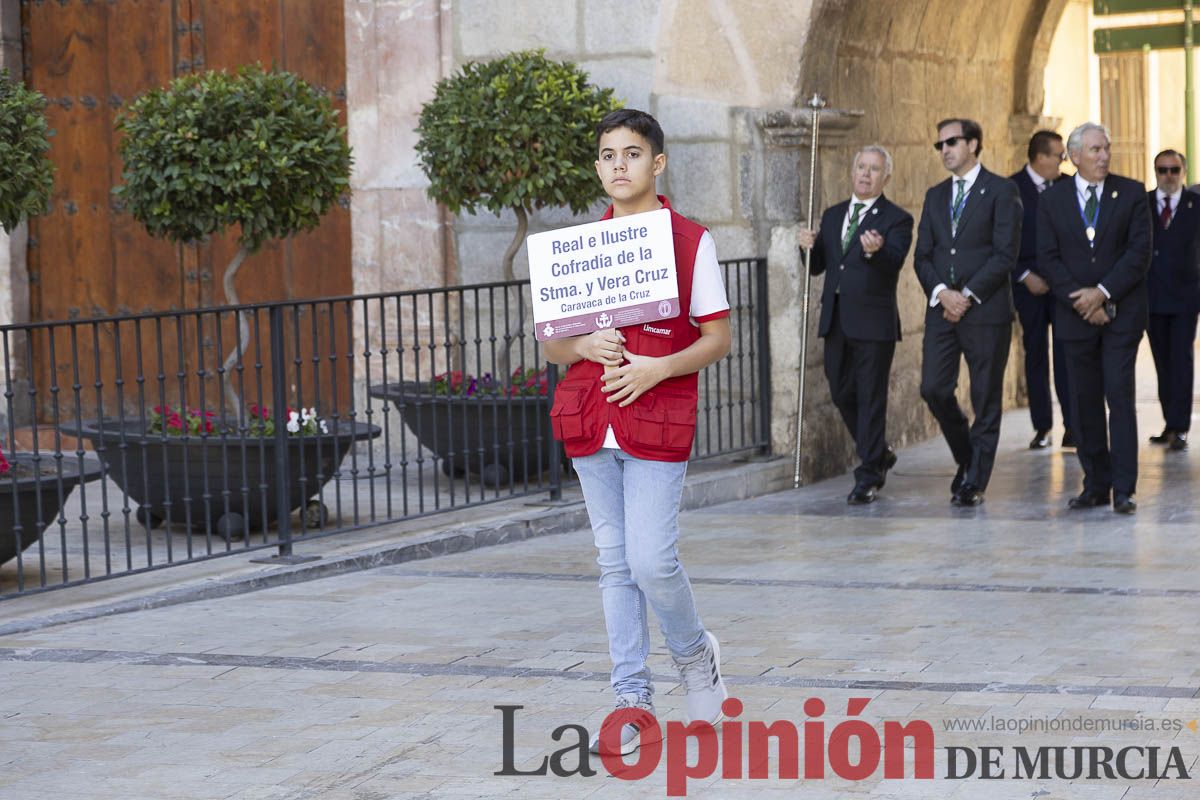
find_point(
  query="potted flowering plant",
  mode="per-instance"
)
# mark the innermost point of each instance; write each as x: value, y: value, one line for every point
x: 32, y: 489
x: 478, y: 425
x: 189, y: 467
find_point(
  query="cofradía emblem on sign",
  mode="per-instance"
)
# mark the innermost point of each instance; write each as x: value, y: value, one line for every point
x: 607, y: 274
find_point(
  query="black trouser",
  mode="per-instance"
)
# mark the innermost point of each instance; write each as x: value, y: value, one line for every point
x: 1037, y: 317
x: 1101, y: 369
x: 1173, y: 342
x: 857, y: 371
x: 986, y: 349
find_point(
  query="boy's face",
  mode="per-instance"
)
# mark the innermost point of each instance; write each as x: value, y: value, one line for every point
x: 627, y: 166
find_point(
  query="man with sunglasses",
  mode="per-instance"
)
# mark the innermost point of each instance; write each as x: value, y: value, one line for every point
x: 1031, y: 294
x: 1094, y: 243
x: 967, y: 244
x: 1174, y: 290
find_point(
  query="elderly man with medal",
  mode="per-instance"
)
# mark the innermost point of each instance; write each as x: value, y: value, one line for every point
x: 1094, y: 245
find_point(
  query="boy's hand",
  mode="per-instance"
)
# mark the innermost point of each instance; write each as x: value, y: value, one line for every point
x: 605, y: 347
x: 626, y: 384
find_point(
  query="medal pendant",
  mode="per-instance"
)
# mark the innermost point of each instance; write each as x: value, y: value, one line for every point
x: 1091, y: 233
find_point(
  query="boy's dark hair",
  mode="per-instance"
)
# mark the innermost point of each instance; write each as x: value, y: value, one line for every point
x: 639, y: 122
x: 1039, y: 144
x: 970, y: 130
x: 1174, y: 153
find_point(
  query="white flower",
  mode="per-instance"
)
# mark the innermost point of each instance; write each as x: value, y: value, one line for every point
x: 293, y: 426
x: 324, y: 427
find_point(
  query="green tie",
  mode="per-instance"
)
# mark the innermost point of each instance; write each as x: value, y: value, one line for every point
x: 1089, y: 208
x: 956, y: 211
x: 852, y: 227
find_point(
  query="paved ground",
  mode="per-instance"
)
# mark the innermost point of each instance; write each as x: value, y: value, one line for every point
x: 382, y: 683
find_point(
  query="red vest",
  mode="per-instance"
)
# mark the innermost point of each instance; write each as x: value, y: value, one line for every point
x: 661, y: 424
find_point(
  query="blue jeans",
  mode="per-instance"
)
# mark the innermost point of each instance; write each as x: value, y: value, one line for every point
x: 633, y: 505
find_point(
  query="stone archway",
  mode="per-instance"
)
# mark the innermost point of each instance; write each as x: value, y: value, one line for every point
x: 890, y: 70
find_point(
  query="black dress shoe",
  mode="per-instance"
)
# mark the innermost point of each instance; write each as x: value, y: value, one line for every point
x: 968, y: 495
x: 957, y: 483
x: 1124, y: 504
x: 889, y: 461
x: 1178, y: 440
x: 1088, y: 499
x: 1068, y: 442
x: 1040, y: 441
x: 861, y: 495
x: 1162, y: 438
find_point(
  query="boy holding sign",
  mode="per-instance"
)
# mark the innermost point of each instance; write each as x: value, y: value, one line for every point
x: 626, y: 414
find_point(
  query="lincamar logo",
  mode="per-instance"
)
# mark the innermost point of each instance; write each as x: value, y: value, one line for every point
x: 853, y: 750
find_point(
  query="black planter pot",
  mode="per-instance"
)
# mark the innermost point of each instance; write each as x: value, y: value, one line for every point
x: 224, y: 482
x: 504, y: 440
x: 21, y: 497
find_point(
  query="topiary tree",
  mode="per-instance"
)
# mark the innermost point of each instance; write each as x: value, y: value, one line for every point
x: 514, y: 133
x: 260, y: 150
x: 26, y: 174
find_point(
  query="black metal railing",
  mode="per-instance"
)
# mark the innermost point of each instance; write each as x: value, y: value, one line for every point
x: 144, y: 441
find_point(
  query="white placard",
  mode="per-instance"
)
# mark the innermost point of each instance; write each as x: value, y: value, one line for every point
x: 606, y: 274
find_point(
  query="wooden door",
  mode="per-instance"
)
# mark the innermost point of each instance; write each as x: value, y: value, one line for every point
x: 89, y: 259
x: 1123, y: 92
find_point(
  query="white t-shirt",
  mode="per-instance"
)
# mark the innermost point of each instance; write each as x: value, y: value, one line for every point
x: 708, y: 298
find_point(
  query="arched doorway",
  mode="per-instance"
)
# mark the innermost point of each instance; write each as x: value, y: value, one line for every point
x: 894, y: 69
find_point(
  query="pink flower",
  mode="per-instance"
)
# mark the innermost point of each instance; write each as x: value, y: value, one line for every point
x: 3, y: 463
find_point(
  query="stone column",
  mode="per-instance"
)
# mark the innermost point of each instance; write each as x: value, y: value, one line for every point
x: 785, y: 148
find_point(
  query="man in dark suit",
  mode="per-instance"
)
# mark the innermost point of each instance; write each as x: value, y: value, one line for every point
x: 861, y: 244
x: 967, y: 243
x: 1032, y: 297
x: 1174, y: 289
x: 1094, y: 243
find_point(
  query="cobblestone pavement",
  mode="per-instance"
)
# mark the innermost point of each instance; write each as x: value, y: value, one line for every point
x: 383, y: 684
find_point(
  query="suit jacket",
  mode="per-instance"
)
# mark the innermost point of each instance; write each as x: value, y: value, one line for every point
x: 1027, y: 256
x: 983, y: 252
x: 1174, y: 281
x: 1119, y: 260
x: 866, y: 286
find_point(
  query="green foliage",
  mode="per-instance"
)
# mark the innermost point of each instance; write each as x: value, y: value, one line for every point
x: 514, y: 132
x: 26, y: 175
x: 260, y: 149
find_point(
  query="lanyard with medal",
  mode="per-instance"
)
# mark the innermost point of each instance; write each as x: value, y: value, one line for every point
x: 1090, y: 224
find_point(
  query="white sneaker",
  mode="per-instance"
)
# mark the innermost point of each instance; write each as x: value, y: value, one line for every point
x: 700, y: 677
x: 632, y: 737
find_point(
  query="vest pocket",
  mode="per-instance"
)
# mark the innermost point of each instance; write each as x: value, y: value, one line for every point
x: 680, y: 429
x: 566, y: 415
x: 664, y: 421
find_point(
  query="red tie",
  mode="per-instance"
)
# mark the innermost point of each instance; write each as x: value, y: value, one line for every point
x: 1166, y: 212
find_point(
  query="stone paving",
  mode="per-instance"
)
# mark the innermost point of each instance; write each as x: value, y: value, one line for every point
x: 383, y: 683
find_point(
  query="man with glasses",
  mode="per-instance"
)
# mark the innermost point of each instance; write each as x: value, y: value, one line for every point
x: 1094, y: 244
x: 1174, y: 291
x: 861, y: 245
x: 1031, y: 294
x: 967, y: 244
